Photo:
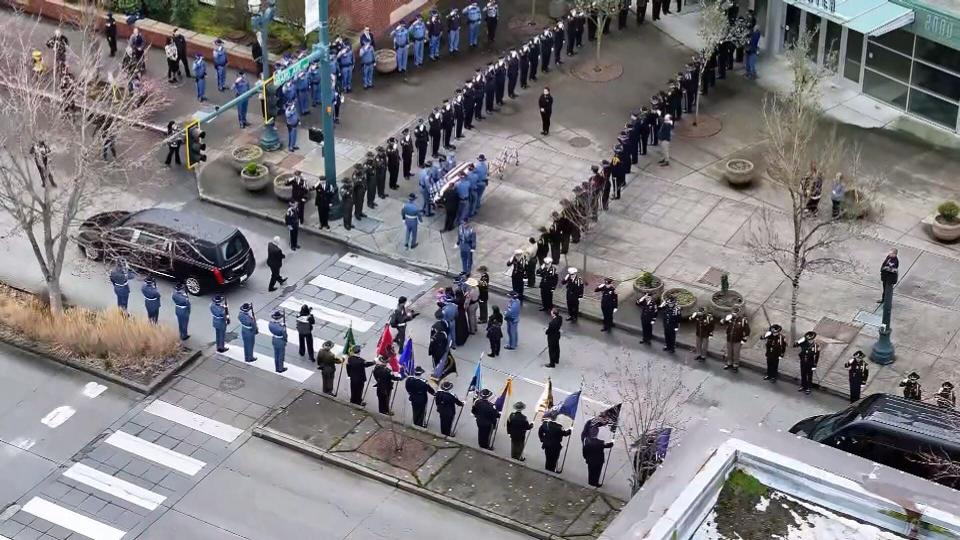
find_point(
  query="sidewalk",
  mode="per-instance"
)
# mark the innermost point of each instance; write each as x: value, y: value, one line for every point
x: 474, y: 481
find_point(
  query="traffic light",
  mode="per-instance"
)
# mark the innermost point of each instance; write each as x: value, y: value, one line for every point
x: 196, y: 147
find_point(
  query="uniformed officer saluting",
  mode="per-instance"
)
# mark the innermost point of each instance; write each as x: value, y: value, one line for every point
x: 608, y: 302
x: 648, y: 316
x: 120, y: 279
x: 417, y: 390
x: 181, y: 304
x: 357, y: 372
x: 151, y: 299
x: 809, y: 357
x: 447, y: 404
x: 671, y: 323
x: 486, y: 415
x: 574, y: 284
x: 384, y: 378
x: 911, y: 387
x: 705, y: 324
x: 857, y: 373
x: 776, y: 346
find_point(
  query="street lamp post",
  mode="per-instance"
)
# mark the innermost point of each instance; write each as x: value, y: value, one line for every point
x: 326, y: 96
x: 269, y: 140
x: 883, y: 351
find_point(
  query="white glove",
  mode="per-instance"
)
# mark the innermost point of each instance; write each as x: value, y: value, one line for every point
x: 615, y: 310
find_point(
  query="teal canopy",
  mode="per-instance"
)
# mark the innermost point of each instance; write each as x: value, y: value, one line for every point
x: 869, y: 17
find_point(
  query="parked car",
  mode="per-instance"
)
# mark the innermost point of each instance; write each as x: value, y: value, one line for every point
x: 202, y: 253
x: 892, y: 430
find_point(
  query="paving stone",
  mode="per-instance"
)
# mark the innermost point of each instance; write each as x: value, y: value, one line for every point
x: 167, y: 442
x: 92, y: 505
x: 150, y: 435
x: 28, y: 533
x: 189, y: 402
x: 179, y: 432
x: 110, y: 512
x: 155, y: 474
x: 74, y: 497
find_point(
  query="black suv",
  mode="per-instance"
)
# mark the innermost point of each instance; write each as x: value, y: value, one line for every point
x: 202, y: 253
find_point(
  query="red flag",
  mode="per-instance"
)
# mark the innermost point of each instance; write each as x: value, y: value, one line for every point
x: 385, y: 349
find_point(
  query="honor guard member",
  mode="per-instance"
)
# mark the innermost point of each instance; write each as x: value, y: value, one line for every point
x: 548, y: 283
x: 857, y: 374
x: 411, y: 217
x: 418, y: 33
x: 293, y: 120
x: 546, y: 49
x: 608, y: 302
x: 278, y: 338
x: 558, y: 37
x: 421, y: 137
x: 571, y: 28
x: 370, y: 175
x: 574, y: 284
x: 479, y: 88
x: 513, y: 70
x: 809, y: 357
x: 512, y: 317
x: 518, y: 265
x: 553, y: 338
x: 775, y: 348
x: 345, y: 67
x: 220, y: 64
x: 357, y: 373
x: 327, y: 365
x: 359, y: 182
x: 486, y: 415
x: 399, y: 319
x: 218, y: 312
x: 305, y: 322
x: 151, y: 299
x: 406, y: 152
x: 447, y: 404
x: 646, y: 121
x: 490, y: 88
x: 200, y: 73
x: 240, y: 86
x: 458, y: 114
x: 453, y: 31
x: 551, y: 435
x: 417, y: 391
x: 482, y: 170
x: 380, y: 171
x: 534, y: 57
x: 467, y: 244
x: 671, y: 323
x: 120, y: 279
x: 945, y: 396
x: 594, y: 448
x: 346, y: 203
x: 911, y: 387
x: 425, y: 181
x: 483, y: 293
x: 474, y: 17
x: 248, y: 331
x: 500, y: 78
x: 181, y: 304
x: 738, y: 330
x: 302, y: 84
x: 401, y: 40
x: 469, y: 99
x: 446, y: 124
x: 435, y: 121
x: 368, y: 57
x: 705, y: 324
x: 384, y: 378
x: 393, y: 162
x: 434, y: 32
x: 517, y: 428
x: 523, y: 60
x: 491, y: 14
x: 293, y: 224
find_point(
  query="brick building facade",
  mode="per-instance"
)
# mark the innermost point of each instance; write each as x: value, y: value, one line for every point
x: 379, y: 15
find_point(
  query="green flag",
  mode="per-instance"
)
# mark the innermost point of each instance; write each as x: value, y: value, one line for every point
x: 349, y: 342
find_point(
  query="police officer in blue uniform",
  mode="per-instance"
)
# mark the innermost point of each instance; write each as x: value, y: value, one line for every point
x: 511, y: 316
x: 474, y: 15
x: 314, y: 75
x: 181, y: 303
x: 302, y: 83
x: 434, y: 30
x: 411, y: 217
x: 467, y: 242
x: 240, y: 85
x: 368, y: 57
x: 418, y: 33
x: 220, y: 64
x: 120, y: 279
x: 200, y: 74
x: 401, y: 40
x: 151, y: 299
x: 463, y: 188
x: 278, y: 337
x: 248, y: 331
x: 293, y: 120
x: 481, y: 168
x: 218, y: 310
x: 426, y: 181
x: 289, y: 92
x: 345, y: 67
x: 453, y: 31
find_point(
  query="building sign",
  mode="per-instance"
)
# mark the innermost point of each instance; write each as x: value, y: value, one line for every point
x: 823, y: 5
x: 933, y: 25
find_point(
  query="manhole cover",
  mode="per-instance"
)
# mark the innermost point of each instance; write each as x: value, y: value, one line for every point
x: 579, y: 142
x: 229, y: 384
x: 711, y: 277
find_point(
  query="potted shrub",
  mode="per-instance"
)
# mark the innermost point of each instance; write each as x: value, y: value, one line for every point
x: 245, y: 154
x: 739, y: 171
x: 386, y: 61
x: 283, y: 187
x: 723, y: 301
x: 686, y: 300
x: 647, y: 283
x: 254, y: 176
x: 946, y: 224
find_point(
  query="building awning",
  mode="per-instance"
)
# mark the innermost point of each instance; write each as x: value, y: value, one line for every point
x: 869, y: 17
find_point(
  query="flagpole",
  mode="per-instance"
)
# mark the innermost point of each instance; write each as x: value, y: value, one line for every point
x: 339, y: 377
x: 396, y: 390
x: 609, y: 453
x: 496, y: 427
x: 529, y: 431
x: 453, y: 432
x: 365, y: 388
x: 430, y: 411
x: 567, y: 447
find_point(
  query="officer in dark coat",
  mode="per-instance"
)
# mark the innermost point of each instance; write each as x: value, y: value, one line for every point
x: 574, y: 284
x: 447, y: 404
x: 809, y: 357
x: 383, y: 378
x: 518, y: 272
x: 181, y: 303
x: 486, y: 415
x: 357, y: 372
x: 889, y: 271
x: 293, y: 224
x: 548, y: 283
x: 608, y: 302
x: 705, y: 325
x: 346, y: 203
x: 594, y: 451
x: 775, y: 348
x: 120, y: 279
x: 551, y: 435
x: 517, y: 428
x: 275, y: 258
x: 911, y: 387
x: 151, y: 299
x: 417, y: 391
x: 671, y: 323
x: 553, y: 337
x: 648, y: 315
x: 327, y: 364
x: 857, y: 373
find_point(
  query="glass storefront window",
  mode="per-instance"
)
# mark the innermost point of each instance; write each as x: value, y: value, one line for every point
x: 938, y: 54
x: 934, y: 109
x: 851, y: 66
x: 936, y: 81
x: 898, y: 40
x: 888, y: 62
x: 885, y: 89
x: 812, y: 23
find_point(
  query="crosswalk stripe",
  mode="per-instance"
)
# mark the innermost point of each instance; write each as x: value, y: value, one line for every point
x: 264, y: 362
x: 112, y: 485
x: 327, y: 314
x: 68, y: 519
x: 293, y: 339
x: 356, y: 291
x: 155, y: 453
x: 194, y: 421
x: 384, y: 269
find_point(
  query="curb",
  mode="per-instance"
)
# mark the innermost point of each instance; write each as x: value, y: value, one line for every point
x: 584, y: 314
x: 269, y: 434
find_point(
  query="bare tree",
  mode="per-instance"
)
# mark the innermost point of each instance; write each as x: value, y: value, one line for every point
x: 582, y: 210
x: 600, y: 12
x: 799, y: 155
x: 713, y: 29
x: 653, y: 395
x: 60, y: 124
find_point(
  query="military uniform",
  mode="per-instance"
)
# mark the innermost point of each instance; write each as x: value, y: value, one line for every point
x: 551, y: 436
x: 912, y: 388
x: 594, y: 451
x: 357, y: 372
x: 151, y: 299
x: 517, y: 428
x: 738, y: 329
x: 346, y: 202
x: 809, y: 357
x: 548, y: 283
x: 608, y: 303
x: 574, y: 284
x: 518, y: 271
x: 705, y: 324
x: 181, y: 303
x: 327, y: 364
x: 487, y: 416
x: 775, y: 348
x: 857, y: 374
x: 417, y: 391
x: 671, y: 321
x: 447, y: 404
x: 384, y: 379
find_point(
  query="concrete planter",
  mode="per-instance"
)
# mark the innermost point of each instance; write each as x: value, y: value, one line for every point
x: 722, y: 303
x: 686, y: 300
x: 739, y: 172
x: 282, y: 187
x: 945, y: 231
x: 386, y: 61
x: 245, y: 154
x: 257, y: 181
x: 655, y: 290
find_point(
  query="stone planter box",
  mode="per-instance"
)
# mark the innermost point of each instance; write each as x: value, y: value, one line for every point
x: 282, y: 187
x: 943, y: 231
x: 258, y: 181
x: 722, y: 303
x: 686, y: 300
x: 386, y: 61
x: 656, y: 291
x: 245, y: 154
x: 739, y: 172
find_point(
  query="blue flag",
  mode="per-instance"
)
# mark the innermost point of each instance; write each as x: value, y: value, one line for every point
x: 476, y: 383
x: 568, y: 408
x: 407, y: 363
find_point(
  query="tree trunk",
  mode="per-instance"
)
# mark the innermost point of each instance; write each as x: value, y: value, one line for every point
x: 55, y: 294
x: 533, y: 11
x: 696, y: 114
x: 600, y: 21
x: 794, y: 300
